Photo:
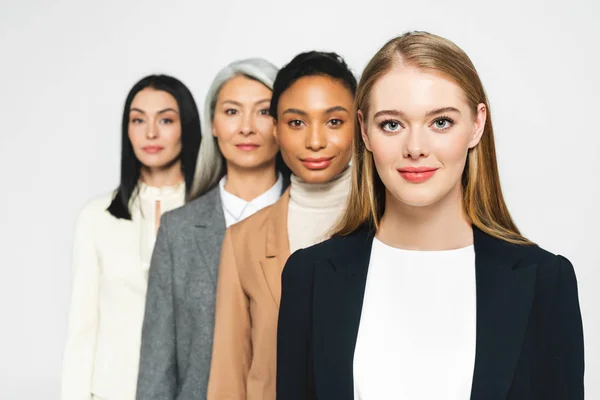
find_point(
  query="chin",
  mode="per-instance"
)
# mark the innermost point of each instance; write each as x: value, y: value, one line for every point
x: 417, y: 199
x: 318, y: 176
x: 251, y: 163
x: 154, y: 163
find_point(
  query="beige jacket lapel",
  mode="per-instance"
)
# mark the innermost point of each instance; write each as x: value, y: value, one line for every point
x: 277, y: 249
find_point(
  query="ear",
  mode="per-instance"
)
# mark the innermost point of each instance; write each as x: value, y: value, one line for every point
x: 479, y: 125
x: 214, y: 131
x: 363, y: 129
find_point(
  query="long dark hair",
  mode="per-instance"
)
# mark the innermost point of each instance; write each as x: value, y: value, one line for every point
x: 190, y: 141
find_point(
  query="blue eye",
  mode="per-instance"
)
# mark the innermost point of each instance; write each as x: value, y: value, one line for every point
x: 443, y: 123
x: 390, y: 126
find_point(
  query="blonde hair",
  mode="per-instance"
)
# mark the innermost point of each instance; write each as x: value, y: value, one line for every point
x: 482, y: 196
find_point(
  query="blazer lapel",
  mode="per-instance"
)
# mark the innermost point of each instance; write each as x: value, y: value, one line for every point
x: 277, y: 249
x: 505, y: 290
x: 210, y: 231
x: 339, y: 288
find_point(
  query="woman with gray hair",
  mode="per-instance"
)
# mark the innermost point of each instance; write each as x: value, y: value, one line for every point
x: 235, y: 177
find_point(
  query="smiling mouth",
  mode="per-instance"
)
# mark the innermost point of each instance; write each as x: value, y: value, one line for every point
x: 316, y: 164
x: 247, y: 146
x: 417, y: 174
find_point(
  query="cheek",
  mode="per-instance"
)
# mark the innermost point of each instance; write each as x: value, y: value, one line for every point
x: 290, y: 144
x: 224, y: 128
x: 386, y: 151
x: 172, y: 135
x: 265, y: 127
x: 451, y: 150
x: 136, y: 134
x: 343, y: 139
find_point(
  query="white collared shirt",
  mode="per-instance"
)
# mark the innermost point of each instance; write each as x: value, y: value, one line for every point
x: 237, y: 209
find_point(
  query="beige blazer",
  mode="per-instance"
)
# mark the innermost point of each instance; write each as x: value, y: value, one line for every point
x: 248, y: 291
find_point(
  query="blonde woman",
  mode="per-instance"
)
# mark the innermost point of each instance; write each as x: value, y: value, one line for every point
x: 427, y: 290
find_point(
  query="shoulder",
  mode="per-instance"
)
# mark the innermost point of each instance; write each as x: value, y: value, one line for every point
x: 189, y: 212
x: 303, y: 261
x: 555, y: 273
x: 254, y: 224
x: 96, y: 208
x: 549, y: 264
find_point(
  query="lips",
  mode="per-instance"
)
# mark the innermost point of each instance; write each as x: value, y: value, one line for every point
x: 317, y: 163
x: 247, y: 146
x: 417, y: 174
x: 152, y: 149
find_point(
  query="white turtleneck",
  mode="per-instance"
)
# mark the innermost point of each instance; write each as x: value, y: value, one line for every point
x: 315, y: 208
x: 110, y: 275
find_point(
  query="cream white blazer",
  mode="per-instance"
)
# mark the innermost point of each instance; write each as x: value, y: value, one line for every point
x: 111, y: 259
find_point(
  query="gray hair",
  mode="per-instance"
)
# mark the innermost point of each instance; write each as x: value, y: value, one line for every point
x: 210, y: 165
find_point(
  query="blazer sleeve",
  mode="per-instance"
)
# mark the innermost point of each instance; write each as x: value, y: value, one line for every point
x: 157, y: 378
x: 566, y: 366
x: 232, y: 346
x: 294, y: 357
x: 82, y: 330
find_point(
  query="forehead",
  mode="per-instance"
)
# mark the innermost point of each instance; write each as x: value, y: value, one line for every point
x: 417, y: 91
x: 242, y: 88
x: 316, y: 93
x: 150, y: 99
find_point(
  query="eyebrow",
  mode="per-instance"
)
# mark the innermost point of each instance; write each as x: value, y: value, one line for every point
x: 295, y: 111
x: 304, y: 113
x: 237, y: 103
x: 159, y: 112
x: 336, y: 108
x: 398, y: 113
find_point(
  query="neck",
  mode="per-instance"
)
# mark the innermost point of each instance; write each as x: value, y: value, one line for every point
x: 331, y: 194
x: 160, y: 177
x: 440, y: 226
x: 248, y: 184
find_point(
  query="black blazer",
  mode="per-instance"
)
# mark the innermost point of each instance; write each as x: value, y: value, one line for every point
x: 529, y: 333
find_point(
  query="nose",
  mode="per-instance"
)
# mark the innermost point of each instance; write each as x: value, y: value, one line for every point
x: 247, y: 124
x: 415, y: 145
x: 316, y: 139
x: 152, y: 130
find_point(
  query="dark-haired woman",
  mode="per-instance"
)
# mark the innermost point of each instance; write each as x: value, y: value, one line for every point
x: 115, y: 235
x: 312, y: 107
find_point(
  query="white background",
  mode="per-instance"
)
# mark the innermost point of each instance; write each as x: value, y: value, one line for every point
x: 66, y: 67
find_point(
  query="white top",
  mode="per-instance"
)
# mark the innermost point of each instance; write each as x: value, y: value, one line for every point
x: 237, y: 209
x: 315, y: 208
x: 416, y: 338
x: 110, y: 265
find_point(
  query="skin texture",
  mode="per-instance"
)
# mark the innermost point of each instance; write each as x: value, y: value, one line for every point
x: 154, y: 121
x: 421, y: 118
x: 242, y: 117
x: 315, y: 121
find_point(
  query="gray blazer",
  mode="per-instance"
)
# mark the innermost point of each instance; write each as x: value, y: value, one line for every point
x: 180, y: 305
